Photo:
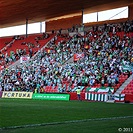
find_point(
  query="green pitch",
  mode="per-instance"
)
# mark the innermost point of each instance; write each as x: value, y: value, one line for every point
x: 38, y: 116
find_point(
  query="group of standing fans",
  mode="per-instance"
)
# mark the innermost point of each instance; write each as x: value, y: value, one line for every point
x: 107, y: 55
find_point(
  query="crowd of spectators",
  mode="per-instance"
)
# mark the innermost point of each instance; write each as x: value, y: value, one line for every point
x: 117, y: 27
x: 106, y: 57
x: 7, y: 58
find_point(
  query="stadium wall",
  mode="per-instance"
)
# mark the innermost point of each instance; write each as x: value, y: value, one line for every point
x: 63, y: 23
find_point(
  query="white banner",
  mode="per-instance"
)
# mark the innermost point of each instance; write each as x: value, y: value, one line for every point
x: 119, y: 97
x: 23, y: 59
x: 96, y: 96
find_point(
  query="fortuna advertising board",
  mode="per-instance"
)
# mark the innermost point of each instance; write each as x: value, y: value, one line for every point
x: 17, y: 94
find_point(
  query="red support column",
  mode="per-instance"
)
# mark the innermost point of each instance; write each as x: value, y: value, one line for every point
x: 130, y: 12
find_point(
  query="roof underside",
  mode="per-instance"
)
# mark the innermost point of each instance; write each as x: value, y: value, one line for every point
x: 15, y: 12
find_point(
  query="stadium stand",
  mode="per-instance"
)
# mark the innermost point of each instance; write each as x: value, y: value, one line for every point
x: 103, y: 60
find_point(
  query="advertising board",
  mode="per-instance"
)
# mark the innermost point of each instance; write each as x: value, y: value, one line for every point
x: 17, y: 94
x: 51, y: 96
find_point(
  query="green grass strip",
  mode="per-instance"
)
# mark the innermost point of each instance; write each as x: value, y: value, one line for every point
x: 65, y: 122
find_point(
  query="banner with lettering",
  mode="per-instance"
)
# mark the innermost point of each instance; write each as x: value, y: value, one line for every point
x: 64, y: 97
x: 17, y: 94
